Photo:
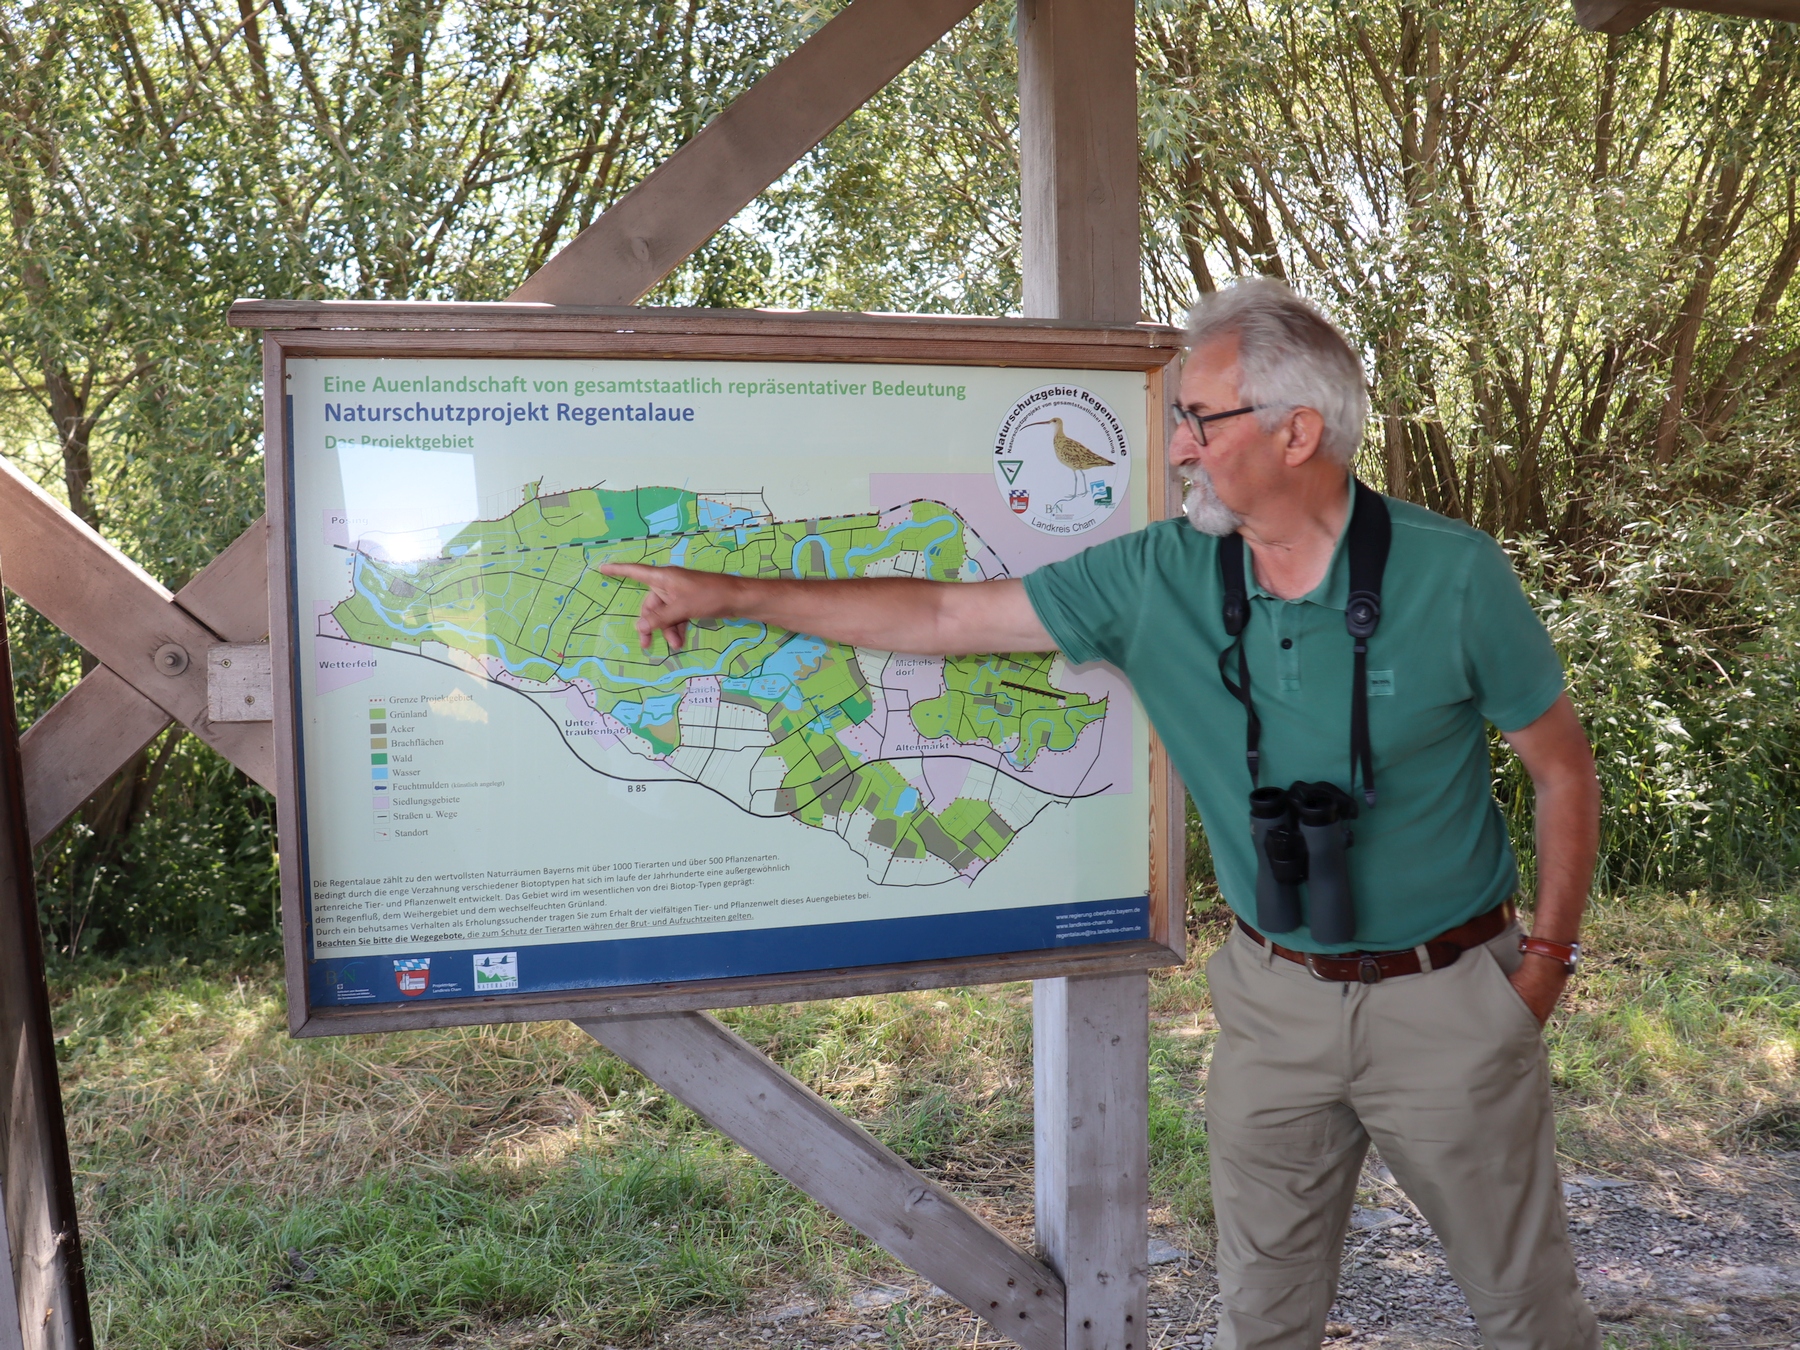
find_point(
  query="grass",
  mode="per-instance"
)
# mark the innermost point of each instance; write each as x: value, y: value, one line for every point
x: 1683, y: 1032
x: 242, y: 1189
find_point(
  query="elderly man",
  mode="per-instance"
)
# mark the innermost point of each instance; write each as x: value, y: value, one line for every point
x: 1410, y: 1013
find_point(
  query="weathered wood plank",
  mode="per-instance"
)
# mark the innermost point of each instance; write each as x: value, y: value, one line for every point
x: 1079, y: 199
x: 971, y: 352
x: 81, y: 742
x: 240, y: 687
x: 230, y: 595
x: 741, y: 991
x: 278, y: 449
x: 1168, y: 798
x: 740, y: 1092
x: 116, y: 610
x: 653, y: 228
x: 1613, y: 16
x: 1621, y: 16
x: 39, y: 1217
x: 1091, y: 1047
x: 356, y: 328
x: 503, y: 317
x: 1078, y: 158
x: 10, y: 1338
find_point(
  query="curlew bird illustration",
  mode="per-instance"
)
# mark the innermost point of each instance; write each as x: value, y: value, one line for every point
x: 1073, y: 455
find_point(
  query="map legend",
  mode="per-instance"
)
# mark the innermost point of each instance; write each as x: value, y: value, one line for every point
x: 378, y: 765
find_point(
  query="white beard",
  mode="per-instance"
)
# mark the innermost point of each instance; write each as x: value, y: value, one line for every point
x: 1202, y: 507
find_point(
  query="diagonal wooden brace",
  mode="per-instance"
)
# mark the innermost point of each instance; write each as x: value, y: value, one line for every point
x: 743, y: 1094
x: 652, y: 229
x: 151, y: 646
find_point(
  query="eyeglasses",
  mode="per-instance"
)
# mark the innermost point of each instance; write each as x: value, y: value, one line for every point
x: 1196, y: 422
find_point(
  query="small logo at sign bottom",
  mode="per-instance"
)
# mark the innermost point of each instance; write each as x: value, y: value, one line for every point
x: 496, y: 970
x: 413, y: 975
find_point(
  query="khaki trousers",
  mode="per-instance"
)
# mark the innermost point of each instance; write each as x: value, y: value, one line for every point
x: 1446, y: 1072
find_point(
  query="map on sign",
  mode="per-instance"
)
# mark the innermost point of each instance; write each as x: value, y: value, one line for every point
x: 778, y: 723
x: 503, y: 791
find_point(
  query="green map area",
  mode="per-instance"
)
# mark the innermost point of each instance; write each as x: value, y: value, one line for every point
x: 783, y: 723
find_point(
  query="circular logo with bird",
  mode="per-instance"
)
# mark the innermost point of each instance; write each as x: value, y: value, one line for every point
x: 1061, y: 460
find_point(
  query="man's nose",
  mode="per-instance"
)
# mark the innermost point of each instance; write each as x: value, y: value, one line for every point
x: 1184, y: 446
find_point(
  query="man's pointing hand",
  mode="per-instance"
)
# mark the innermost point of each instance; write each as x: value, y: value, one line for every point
x: 901, y: 614
x: 675, y: 596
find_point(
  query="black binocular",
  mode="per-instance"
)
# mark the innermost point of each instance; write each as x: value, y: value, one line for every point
x: 1301, y: 833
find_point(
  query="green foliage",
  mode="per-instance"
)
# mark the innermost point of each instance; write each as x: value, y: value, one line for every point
x: 196, y: 876
x: 1681, y: 636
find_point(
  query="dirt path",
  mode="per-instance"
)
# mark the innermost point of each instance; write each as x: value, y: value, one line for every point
x: 1709, y: 1252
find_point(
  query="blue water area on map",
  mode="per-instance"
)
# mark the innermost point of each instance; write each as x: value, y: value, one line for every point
x: 798, y: 567
x: 722, y: 515
x: 341, y: 982
x: 665, y: 521
x: 949, y: 524
x: 906, y: 802
x: 777, y: 680
x: 654, y: 709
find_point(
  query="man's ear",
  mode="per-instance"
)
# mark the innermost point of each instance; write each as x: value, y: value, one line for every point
x: 1305, y: 435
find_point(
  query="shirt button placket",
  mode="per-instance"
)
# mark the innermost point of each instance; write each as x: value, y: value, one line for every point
x: 1287, y: 655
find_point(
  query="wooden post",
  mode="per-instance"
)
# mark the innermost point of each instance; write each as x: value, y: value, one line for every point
x: 10, y: 1338
x: 44, y: 1271
x: 1078, y: 159
x: 1092, y: 1075
x: 1078, y: 181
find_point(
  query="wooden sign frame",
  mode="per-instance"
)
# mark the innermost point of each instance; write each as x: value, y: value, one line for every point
x: 520, y: 331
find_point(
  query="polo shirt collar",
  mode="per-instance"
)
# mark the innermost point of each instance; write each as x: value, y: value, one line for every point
x: 1333, y: 592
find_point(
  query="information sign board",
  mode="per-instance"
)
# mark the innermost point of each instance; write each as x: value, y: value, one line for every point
x: 502, y: 807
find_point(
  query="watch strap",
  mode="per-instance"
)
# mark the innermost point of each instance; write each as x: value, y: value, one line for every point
x: 1568, y: 954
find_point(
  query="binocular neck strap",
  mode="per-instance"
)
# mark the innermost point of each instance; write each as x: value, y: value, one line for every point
x: 1371, y: 531
x: 1237, y: 617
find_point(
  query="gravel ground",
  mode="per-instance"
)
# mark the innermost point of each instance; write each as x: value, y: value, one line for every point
x: 1709, y: 1254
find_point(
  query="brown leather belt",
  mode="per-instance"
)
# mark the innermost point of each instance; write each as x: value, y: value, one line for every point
x: 1374, y: 967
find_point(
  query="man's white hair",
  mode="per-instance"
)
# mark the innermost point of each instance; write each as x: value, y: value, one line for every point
x: 1289, y: 356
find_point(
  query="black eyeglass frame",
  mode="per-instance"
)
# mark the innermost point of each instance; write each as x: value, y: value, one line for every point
x: 1196, y: 422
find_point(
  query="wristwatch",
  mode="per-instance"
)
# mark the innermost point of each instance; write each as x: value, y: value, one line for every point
x: 1567, y: 953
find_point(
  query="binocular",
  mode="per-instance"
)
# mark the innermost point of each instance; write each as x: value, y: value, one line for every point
x: 1301, y: 833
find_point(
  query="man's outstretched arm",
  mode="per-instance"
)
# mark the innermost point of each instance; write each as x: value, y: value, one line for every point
x: 894, y: 614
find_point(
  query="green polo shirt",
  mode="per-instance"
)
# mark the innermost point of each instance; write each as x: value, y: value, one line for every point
x: 1458, y: 646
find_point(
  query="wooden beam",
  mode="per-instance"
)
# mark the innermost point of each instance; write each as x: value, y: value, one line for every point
x: 75, y: 748
x: 1621, y: 16
x: 10, y: 1332
x: 653, y: 228
x: 88, y: 735
x: 230, y: 595
x: 740, y: 1092
x: 1092, y: 1067
x: 739, y: 991
x: 63, y: 569
x: 1078, y: 159
x: 39, y: 1215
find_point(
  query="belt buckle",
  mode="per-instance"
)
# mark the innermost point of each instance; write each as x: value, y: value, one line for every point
x: 1368, y: 970
x: 1308, y: 963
